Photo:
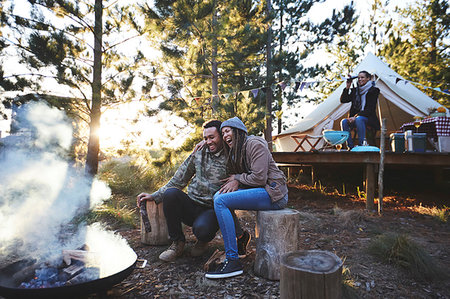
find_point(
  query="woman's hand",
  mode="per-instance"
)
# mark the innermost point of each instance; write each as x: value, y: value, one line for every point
x: 199, y: 146
x: 230, y: 185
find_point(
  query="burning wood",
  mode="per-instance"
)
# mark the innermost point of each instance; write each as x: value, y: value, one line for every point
x: 77, y: 254
x: 73, y: 269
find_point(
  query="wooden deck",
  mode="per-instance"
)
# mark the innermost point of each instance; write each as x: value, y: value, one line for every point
x: 370, y: 161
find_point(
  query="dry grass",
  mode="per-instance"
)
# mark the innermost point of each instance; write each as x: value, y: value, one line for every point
x: 349, y: 217
x: 439, y: 214
x: 400, y: 250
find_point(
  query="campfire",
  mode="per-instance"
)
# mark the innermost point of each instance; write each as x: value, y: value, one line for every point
x: 42, y: 251
x: 77, y: 266
x: 81, y: 271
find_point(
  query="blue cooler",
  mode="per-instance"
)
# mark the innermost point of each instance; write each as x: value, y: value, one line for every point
x: 397, y: 142
x: 419, y: 142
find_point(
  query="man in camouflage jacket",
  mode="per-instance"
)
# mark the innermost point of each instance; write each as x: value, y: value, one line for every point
x: 202, y: 172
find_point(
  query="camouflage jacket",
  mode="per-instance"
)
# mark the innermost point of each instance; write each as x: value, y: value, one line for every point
x: 203, y: 171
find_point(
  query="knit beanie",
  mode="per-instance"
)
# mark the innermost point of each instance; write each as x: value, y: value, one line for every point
x: 234, y: 122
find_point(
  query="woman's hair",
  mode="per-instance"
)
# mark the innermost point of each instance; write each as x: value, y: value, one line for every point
x: 366, y: 74
x: 236, y: 155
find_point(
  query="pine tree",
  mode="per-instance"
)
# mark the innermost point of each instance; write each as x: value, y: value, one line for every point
x: 296, y: 39
x: 418, y: 47
x: 212, y: 50
x: 74, y: 46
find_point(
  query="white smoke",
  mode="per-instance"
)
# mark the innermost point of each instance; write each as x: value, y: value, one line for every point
x: 40, y: 192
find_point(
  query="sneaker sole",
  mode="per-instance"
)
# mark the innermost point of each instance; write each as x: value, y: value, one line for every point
x: 224, y: 275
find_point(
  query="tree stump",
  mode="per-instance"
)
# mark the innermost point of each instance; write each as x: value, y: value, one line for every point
x: 276, y: 234
x: 159, y: 234
x: 310, y: 274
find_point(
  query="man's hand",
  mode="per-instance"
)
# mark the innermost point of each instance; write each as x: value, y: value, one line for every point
x: 143, y: 197
x: 230, y: 185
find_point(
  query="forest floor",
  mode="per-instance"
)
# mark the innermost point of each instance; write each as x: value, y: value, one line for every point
x: 332, y: 222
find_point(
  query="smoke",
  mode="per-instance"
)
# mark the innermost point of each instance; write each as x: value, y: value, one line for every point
x: 40, y: 191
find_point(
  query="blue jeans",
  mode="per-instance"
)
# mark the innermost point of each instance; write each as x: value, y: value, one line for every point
x: 360, y: 123
x: 242, y: 199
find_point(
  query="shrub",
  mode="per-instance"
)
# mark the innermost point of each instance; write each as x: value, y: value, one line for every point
x: 400, y: 250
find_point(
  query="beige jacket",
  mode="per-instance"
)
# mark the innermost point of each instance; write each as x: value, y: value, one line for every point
x: 263, y: 172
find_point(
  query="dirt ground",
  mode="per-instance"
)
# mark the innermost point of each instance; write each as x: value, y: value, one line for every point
x: 335, y: 223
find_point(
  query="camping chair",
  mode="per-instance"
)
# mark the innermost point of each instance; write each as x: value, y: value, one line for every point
x: 309, y: 139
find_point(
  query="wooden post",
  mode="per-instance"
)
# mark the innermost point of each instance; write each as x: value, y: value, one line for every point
x: 370, y: 186
x: 159, y: 234
x: 276, y: 234
x: 381, y: 170
x: 310, y: 274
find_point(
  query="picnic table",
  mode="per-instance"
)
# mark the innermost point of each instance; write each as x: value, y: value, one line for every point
x: 433, y: 126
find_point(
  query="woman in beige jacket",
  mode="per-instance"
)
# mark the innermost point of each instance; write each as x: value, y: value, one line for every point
x: 256, y: 183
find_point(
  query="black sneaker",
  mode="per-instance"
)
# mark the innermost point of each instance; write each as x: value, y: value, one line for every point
x: 242, y: 244
x: 229, y: 268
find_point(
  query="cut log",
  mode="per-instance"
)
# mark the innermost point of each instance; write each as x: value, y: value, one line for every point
x: 311, y: 274
x: 216, y: 258
x: 73, y: 270
x: 77, y: 254
x: 276, y: 234
x: 159, y: 234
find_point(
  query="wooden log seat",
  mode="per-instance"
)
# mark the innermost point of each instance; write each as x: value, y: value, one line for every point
x: 159, y: 234
x: 276, y: 234
x: 311, y: 274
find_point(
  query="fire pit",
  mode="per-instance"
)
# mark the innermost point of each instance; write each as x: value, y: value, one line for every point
x: 25, y: 279
x: 104, y: 260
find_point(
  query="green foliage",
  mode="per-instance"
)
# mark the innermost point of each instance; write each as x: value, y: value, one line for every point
x: 114, y: 218
x: 64, y: 55
x: 130, y: 175
x: 210, y: 48
x: 400, y: 250
x: 418, y: 46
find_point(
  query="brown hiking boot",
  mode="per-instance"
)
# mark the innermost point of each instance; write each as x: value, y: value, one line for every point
x: 199, y: 248
x: 175, y: 250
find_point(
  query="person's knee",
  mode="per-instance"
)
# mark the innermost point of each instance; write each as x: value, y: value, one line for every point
x: 360, y: 120
x: 203, y: 231
x: 171, y: 196
x: 218, y: 199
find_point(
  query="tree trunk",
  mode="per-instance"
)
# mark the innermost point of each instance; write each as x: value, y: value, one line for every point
x: 214, y: 66
x: 159, y: 235
x: 276, y: 234
x: 310, y: 274
x: 95, y: 113
x: 268, y: 131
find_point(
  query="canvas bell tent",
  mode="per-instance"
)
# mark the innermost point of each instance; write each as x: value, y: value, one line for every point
x: 398, y: 103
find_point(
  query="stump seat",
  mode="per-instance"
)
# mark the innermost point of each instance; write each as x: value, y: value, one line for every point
x: 312, y: 274
x: 276, y: 234
x: 159, y: 235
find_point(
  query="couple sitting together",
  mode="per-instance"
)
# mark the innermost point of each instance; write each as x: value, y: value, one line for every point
x: 233, y: 171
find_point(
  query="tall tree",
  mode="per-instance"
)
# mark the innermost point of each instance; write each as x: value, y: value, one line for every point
x: 211, y: 50
x: 297, y: 38
x: 418, y: 47
x: 55, y: 43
